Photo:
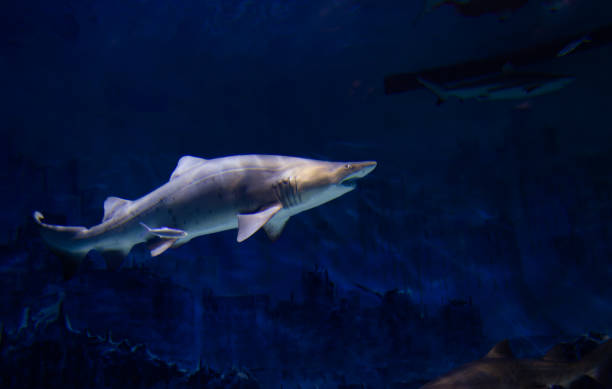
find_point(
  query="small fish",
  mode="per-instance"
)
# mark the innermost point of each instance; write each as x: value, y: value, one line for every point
x: 165, y: 232
x: 570, y: 47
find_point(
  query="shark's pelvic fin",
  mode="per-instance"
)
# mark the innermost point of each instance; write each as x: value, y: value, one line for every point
x: 165, y: 232
x: 248, y: 224
x: 185, y: 164
x: 159, y: 246
x: 501, y: 350
x: 112, y: 205
x: 274, y: 227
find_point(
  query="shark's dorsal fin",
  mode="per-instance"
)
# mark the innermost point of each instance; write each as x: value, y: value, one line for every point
x: 249, y: 223
x: 275, y: 226
x: 185, y: 164
x: 501, y: 350
x: 562, y: 352
x: 112, y: 205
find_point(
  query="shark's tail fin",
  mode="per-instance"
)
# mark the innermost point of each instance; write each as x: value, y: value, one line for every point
x: 62, y: 240
x: 438, y: 90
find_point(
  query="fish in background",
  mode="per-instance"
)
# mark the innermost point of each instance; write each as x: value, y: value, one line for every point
x: 473, y: 8
x: 572, y: 46
x: 558, y: 369
x: 505, y: 85
x: 202, y: 197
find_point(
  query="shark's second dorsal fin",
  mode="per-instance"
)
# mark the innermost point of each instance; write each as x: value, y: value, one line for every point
x: 501, y: 350
x: 185, y: 164
x: 112, y: 205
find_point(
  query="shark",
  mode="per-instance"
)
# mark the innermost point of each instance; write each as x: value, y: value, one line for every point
x: 205, y: 196
x: 500, y: 369
x: 505, y: 85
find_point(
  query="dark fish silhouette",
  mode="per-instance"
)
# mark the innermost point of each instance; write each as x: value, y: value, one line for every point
x: 506, y: 85
x: 558, y: 369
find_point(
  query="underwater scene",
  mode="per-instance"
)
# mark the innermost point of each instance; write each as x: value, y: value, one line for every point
x: 306, y: 194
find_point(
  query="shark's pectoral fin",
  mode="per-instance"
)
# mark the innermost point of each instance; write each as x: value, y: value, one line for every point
x: 159, y: 246
x: 248, y: 224
x: 165, y: 232
x: 113, y: 258
x: 275, y: 226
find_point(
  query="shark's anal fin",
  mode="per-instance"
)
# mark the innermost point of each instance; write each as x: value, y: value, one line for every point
x: 274, y: 227
x: 157, y: 247
x: 165, y: 232
x: 112, y: 205
x: 501, y: 350
x: 185, y: 164
x: 249, y: 223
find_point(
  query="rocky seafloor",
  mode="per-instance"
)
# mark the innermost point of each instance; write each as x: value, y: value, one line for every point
x: 49, y: 353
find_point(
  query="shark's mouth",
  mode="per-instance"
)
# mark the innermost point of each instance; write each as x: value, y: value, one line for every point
x: 350, y: 182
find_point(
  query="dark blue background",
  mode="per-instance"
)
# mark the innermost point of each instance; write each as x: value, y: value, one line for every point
x: 504, y: 204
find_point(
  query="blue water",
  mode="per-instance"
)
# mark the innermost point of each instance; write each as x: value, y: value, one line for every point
x: 484, y: 220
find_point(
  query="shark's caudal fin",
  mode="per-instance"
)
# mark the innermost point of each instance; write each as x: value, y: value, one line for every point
x: 58, y: 237
x: 438, y: 90
x: 68, y: 244
x: 61, y: 240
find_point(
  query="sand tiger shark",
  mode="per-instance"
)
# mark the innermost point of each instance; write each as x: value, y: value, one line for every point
x: 202, y: 197
x: 500, y: 369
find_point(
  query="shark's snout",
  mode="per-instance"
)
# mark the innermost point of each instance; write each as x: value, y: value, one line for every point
x: 357, y: 170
